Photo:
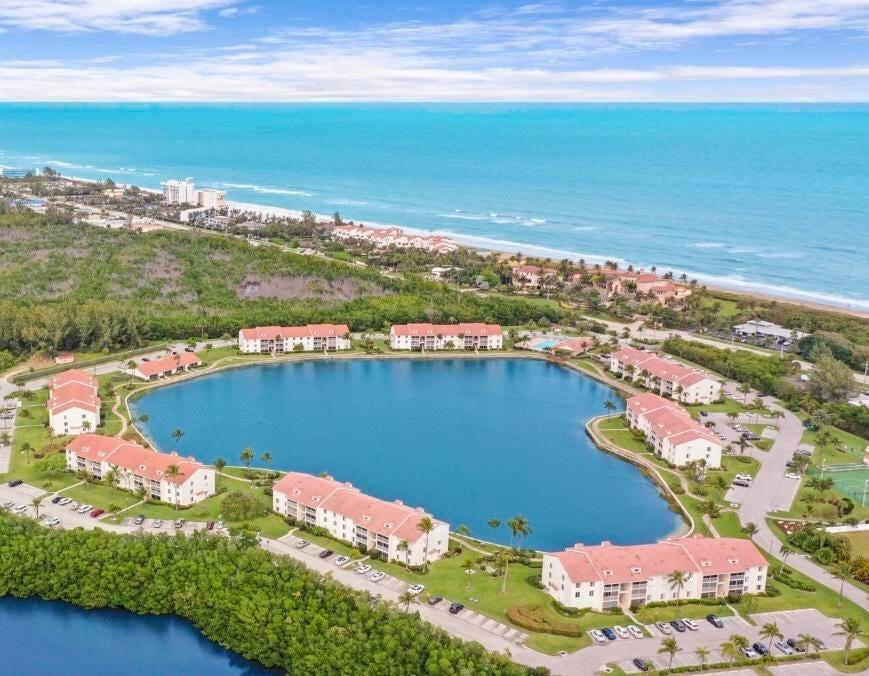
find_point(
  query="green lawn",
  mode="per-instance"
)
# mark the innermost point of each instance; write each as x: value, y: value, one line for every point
x: 859, y: 660
x: 728, y: 525
x: 693, y: 611
x: 99, y: 495
x: 616, y: 432
x: 329, y: 543
x: 859, y: 542
x: 727, y: 406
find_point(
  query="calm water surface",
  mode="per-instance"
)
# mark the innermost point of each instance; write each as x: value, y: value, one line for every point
x: 47, y: 637
x: 468, y: 440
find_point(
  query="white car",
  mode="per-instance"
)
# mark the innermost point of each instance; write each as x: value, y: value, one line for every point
x: 341, y: 560
x: 597, y: 635
x: 73, y: 506
x: 784, y: 647
x: 8, y: 504
x: 416, y: 589
x: 664, y: 628
x: 377, y: 576
x: 793, y: 475
x: 749, y: 653
x: 621, y: 632
x: 363, y: 569
x: 635, y: 631
x: 20, y: 509
x: 63, y: 502
x: 52, y: 522
x: 744, y: 477
x: 691, y: 624
x: 84, y: 509
x: 301, y: 544
x: 157, y: 524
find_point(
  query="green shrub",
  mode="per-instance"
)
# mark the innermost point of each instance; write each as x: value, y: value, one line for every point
x: 535, y: 618
x: 238, y: 506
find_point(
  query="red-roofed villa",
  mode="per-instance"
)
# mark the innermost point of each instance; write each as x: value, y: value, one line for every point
x: 281, y: 339
x: 73, y: 404
x: 667, y: 376
x: 166, y: 366
x: 430, y: 337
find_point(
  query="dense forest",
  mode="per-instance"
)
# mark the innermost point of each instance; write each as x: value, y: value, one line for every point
x: 65, y: 286
x: 271, y: 609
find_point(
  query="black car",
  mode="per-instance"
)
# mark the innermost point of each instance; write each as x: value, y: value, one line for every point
x: 188, y: 349
x: 15, y: 482
x: 139, y: 520
x: 715, y: 621
x: 434, y: 600
x: 456, y: 607
x: 641, y: 664
x: 677, y: 625
x: 609, y: 633
x: 760, y: 649
x: 796, y: 646
x: 326, y: 553
x: 56, y: 499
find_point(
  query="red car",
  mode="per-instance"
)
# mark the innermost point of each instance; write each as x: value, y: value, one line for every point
x: 210, y: 525
x: 96, y: 513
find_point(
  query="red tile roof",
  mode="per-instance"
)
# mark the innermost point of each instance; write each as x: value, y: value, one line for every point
x: 311, y: 330
x: 649, y: 401
x: 145, y: 462
x: 73, y: 388
x: 307, y: 489
x: 475, y: 329
x: 660, y: 368
x: 72, y: 376
x: 168, y: 364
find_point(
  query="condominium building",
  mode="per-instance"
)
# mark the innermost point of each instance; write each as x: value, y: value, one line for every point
x: 73, y: 403
x: 390, y: 528
x: 608, y: 576
x: 671, y: 431
x: 167, y: 477
x: 533, y: 277
x: 211, y: 199
x: 281, y: 339
x: 179, y: 192
x: 166, y: 366
x: 386, y: 237
x: 667, y: 376
x: 431, y: 337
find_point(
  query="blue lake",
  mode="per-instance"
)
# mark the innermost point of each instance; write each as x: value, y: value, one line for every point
x: 469, y: 440
x: 48, y: 637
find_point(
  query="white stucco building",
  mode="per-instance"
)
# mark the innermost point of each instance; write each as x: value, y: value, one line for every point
x: 431, y: 337
x: 673, y: 434
x: 137, y: 467
x: 760, y: 327
x: 281, y: 339
x: 211, y: 199
x: 73, y: 403
x: 359, y: 519
x: 609, y: 576
x: 666, y: 376
x: 179, y: 192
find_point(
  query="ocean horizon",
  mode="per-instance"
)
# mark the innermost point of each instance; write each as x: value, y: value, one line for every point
x: 766, y: 198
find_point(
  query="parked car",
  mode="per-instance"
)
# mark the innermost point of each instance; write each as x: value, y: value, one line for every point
x: 456, y: 607
x: 795, y: 645
x: 84, y: 509
x: 20, y: 509
x: 188, y: 349
x: 749, y: 653
x: 55, y: 500
x: 784, y: 648
x: 416, y: 589
x: 8, y: 504
x: 678, y: 626
x: 434, y: 600
x: 63, y: 502
x: 146, y: 358
x: 139, y: 520
x: 597, y: 635
x: 15, y: 482
x: 73, y: 506
x: 635, y: 631
x: 760, y: 649
x: 609, y: 633
x: 341, y: 560
x: 325, y: 554
x: 209, y: 525
x: 52, y: 522
x: 641, y: 664
x: 158, y: 523
x: 221, y: 525
x: 377, y: 576
x: 744, y: 477
x: 97, y: 513
x: 691, y: 624
x: 741, y: 483
x: 363, y: 569
x: 301, y: 544
x: 179, y: 523
x: 664, y: 628
x: 621, y: 631
x: 793, y: 475
x: 715, y: 621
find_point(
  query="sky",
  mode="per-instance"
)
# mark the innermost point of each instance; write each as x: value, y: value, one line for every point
x: 434, y: 50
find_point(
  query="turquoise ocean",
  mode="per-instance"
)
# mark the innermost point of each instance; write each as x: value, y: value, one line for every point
x: 770, y: 198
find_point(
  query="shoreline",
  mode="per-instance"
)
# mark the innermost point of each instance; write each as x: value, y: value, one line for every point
x: 684, y: 529
x: 756, y: 290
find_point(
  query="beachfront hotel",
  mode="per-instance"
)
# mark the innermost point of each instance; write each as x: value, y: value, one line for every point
x: 281, y: 339
x: 137, y: 468
x: 390, y: 528
x: 609, y: 576
x: 73, y: 404
x: 431, y: 337
x: 671, y: 431
x: 385, y: 237
x: 166, y: 366
x: 667, y: 376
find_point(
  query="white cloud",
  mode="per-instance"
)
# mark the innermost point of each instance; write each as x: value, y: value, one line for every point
x: 147, y: 17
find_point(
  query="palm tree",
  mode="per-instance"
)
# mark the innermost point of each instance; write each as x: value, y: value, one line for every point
x: 711, y: 508
x: 36, y: 502
x: 670, y: 647
x: 176, y: 436
x: 739, y: 641
x: 807, y: 641
x: 426, y: 526
x: 851, y: 629
x: 702, y: 655
x: 609, y: 406
x: 462, y: 529
x: 777, y: 416
x: 842, y: 571
x: 219, y: 466
x: 771, y: 631
x: 745, y: 389
x: 784, y: 552
x: 86, y: 426
x: 494, y: 524
x: 404, y: 546
x: 677, y: 580
x: 266, y: 458
x: 173, y: 472
x: 406, y: 598
x: 730, y: 651
x: 246, y: 456
x: 26, y: 448
x: 519, y: 528
x: 732, y: 416
x: 750, y: 603
x: 144, y: 418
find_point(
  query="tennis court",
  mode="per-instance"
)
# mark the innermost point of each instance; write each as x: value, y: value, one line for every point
x: 851, y: 480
